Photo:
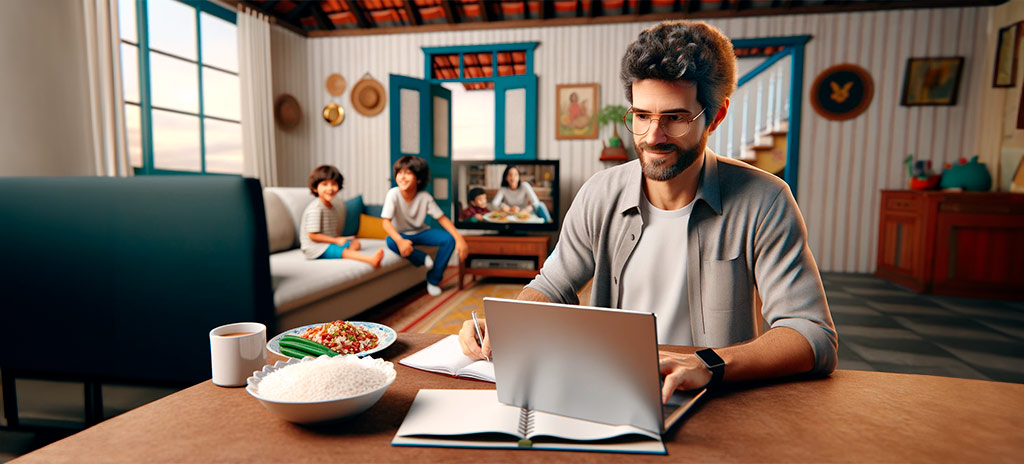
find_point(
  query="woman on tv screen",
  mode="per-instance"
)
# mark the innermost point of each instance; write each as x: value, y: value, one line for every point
x: 517, y: 197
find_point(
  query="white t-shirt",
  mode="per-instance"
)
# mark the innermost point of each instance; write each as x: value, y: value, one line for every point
x: 654, y: 279
x: 409, y: 217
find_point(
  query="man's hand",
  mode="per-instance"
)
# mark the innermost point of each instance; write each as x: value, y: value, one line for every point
x: 467, y: 339
x: 462, y: 248
x: 681, y: 371
x: 405, y: 248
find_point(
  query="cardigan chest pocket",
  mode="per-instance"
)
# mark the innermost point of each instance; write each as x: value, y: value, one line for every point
x: 726, y: 301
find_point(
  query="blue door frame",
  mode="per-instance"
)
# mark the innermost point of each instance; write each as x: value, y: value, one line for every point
x: 794, y: 47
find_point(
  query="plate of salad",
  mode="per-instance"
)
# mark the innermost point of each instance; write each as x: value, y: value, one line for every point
x: 333, y: 338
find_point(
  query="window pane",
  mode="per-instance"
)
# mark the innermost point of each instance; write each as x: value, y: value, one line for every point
x: 130, y: 72
x: 220, y: 94
x: 223, y: 147
x: 174, y: 83
x: 175, y: 141
x: 220, y: 42
x: 172, y: 28
x: 133, y: 125
x: 126, y: 20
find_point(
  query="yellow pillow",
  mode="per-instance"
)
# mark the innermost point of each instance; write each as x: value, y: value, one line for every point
x: 371, y: 227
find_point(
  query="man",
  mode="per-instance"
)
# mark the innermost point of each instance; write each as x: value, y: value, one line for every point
x: 690, y: 236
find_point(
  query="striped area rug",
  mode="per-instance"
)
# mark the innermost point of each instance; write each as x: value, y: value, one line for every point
x: 447, y: 316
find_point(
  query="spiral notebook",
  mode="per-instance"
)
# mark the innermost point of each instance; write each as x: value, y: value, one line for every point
x: 475, y: 419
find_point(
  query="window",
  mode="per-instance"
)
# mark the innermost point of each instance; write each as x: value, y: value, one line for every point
x: 497, y: 79
x: 179, y: 64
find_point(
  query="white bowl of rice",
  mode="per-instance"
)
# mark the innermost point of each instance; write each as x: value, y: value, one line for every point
x: 324, y: 389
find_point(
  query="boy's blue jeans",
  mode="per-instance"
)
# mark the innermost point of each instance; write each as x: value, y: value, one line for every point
x: 444, y: 242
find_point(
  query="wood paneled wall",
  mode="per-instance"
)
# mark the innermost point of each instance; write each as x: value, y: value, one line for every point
x: 843, y: 165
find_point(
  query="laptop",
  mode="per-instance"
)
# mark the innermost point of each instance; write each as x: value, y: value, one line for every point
x: 589, y: 363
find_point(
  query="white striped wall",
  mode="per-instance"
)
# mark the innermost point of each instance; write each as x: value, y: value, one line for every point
x: 843, y: 165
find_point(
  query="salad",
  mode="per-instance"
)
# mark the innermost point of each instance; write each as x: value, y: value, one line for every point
x: 342, y: 337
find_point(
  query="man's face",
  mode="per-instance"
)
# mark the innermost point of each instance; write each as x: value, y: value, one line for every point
x: 662, y: 156
x: 480, y: 201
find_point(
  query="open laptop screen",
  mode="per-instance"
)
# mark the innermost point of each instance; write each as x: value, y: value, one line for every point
x: 595, y: 364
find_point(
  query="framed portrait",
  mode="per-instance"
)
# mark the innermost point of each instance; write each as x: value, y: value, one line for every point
x: 1005, y: 74
x: 932, y: 81
x: 576, y: 111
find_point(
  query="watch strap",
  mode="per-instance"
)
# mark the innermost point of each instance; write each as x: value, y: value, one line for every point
x: 714, y: 363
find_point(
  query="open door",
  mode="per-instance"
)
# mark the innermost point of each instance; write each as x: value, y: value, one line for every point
x: 515, y: 101
x: 421, y: 119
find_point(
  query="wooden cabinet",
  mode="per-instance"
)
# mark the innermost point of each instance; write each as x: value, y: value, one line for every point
x: 534, y: 247
x: 964, y: 243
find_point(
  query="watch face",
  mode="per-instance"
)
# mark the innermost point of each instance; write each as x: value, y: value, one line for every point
x: 710, y: 358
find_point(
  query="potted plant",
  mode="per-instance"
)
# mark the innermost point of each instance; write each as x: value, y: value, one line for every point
x: 613, y: 150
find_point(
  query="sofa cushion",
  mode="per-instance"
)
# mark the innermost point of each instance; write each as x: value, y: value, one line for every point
x: 296, y: 199
x: 353, y: 208
x: 280, y: 227
x: 371, y: 227
x: 298, y: 281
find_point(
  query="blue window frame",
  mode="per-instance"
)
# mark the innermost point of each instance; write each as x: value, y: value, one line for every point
x: 182, y: 106
x: 509, y: 72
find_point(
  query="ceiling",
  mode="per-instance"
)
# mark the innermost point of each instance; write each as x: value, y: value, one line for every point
x: 322, y: 18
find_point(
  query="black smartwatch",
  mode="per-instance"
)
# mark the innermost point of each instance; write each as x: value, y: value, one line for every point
x: 714, y: 363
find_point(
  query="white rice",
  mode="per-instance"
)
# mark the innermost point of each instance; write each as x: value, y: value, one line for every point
x: 326, y: 378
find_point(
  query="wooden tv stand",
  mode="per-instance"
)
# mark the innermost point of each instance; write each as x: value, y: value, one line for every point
x: 525, y: 246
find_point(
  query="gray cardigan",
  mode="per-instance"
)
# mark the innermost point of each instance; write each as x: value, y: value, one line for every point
x: 745, y: 235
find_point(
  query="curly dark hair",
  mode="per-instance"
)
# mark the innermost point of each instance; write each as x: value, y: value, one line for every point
x: 683, y: 50
x: 419, y: 168
x: 322, y: 173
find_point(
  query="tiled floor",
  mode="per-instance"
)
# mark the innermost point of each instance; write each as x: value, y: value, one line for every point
x: 881, y: 326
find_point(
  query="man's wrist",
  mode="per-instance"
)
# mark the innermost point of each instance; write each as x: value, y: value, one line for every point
x: 713, y: 363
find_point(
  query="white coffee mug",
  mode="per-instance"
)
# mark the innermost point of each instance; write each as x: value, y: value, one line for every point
x: 236, y: 351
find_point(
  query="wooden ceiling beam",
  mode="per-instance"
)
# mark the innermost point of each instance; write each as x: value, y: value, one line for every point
x: 362, y: 19
x: 297, y: 13
x: 485, y: 10
x: 451, y: 13
x: 596, y: 9
x: 412, y: 12
x: 268, y: 5
x: 322, y: 20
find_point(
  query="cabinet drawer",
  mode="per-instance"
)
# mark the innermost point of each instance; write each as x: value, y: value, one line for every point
x: 902, y: 203
x: 506, y: 248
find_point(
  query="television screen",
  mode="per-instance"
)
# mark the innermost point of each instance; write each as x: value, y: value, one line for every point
x: 505, y: 196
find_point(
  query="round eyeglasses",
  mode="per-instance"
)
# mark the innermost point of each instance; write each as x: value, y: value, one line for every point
x: 673, y: 124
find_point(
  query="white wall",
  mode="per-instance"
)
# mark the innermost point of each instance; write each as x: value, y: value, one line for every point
x: 44, y: 125
x: 843, y: 165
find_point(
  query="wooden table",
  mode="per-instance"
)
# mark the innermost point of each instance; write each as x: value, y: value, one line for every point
x: 528, y: 247
x: 850, y: 416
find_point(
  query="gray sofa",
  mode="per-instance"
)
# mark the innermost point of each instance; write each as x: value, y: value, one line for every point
x: 311, y: 291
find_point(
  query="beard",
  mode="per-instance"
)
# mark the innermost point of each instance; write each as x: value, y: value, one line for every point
x: 665, y: 169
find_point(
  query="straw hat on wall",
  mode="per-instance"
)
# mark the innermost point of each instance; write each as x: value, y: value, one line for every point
x: 368, y: 96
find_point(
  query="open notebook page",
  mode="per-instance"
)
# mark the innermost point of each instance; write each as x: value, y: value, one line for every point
x: 445, y: 356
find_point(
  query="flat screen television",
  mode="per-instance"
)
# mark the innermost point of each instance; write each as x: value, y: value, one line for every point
x: 486, y: 195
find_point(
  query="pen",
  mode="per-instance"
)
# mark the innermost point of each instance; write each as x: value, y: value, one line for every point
x: 479, y: 336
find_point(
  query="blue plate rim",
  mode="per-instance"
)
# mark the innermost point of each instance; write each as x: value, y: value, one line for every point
x: 389, y: 337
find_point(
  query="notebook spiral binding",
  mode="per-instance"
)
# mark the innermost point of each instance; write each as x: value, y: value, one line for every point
x: 525, y: 426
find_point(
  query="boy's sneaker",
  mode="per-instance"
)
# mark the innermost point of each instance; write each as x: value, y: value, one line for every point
x: 428, y: 263
x: 433, y: 290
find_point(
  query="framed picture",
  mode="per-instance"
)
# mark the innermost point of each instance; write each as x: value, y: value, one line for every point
x: 932, y: 81
x: 1005, y: 74
x: 576, y: 111
x: 842, y: 92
